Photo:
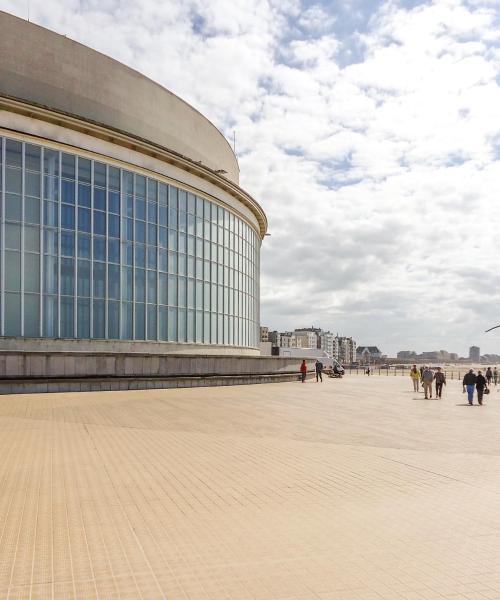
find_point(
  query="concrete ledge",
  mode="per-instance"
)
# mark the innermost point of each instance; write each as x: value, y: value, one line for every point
x: 99, y: 384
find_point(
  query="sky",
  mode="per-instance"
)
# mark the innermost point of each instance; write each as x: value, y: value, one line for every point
x: 369, y: 131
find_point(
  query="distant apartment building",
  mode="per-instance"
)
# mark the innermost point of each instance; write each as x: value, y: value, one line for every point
x: 275, y: 338
x: 264, y: 334
x: 406, y: 355
x: 368, y: 354
x: 328, y: 343
x: 474, y: 353
x: 433, y: 355
x: 309, y: 337
x: 289, y: 340
x: 346, y: 350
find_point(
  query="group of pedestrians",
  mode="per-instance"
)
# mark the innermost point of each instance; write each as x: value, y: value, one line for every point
x: 471, y: 382
x: 426, y: 376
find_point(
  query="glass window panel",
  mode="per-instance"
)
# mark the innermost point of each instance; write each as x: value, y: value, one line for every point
x: 199, y: 268
x: 68, y: 191
x: 114, y: 282
x: 199, y: 227
x: 172, y: 324
x: 182, y: 291
x: 129, y: 206
x: 182, y: 200
x: 199, y: 295
x: 163, y: 323
x: 140, y: 285
x: 51, y: 162
x: 128, y: 283
x: 32, y: 184
x: 190, y: 266
x: 99, y: 279
x: 140, y: 186
x: 140, y: 232
x: 127, y: 321
x: 182, y: 242
x: 152, y: 234
x: 100, y: 248
x: 172, y: 290
x: 163, y: 260
x: 83, y: 278
x: 152, y: 334
x: 199, y: 206
x: 32, y: 239
x: 31, y: 315
x: 67, y: 276
x: 190, y: 325
x: 83, y: 245
x: 84, y: 223
x: 152, y: 189
x: 32, y: 273
x: 190, y: 293
x: 128, y: 253
x: 162, y: 289
x: 182, y: 221
x: 84, y: 169
x: 12, y: 314
x: 206, y: 296
x: 114, y: 178
x: 213, y: 328
x: 113, y: 320
x: 50, y: 316
x: 84, y: 195
x: 51, y: 188
x: 173, y: 193
x: 114, y: 202
x: 12, y: 271
x: 152, y: 257
x: 140, y: 209
x: 51, y: 213
x: 13, y: 180
x: 163, y: 215
x: 172, y: 262
x: 98, y: 326
x: 67, y: 217
x: 13, y: 236
x: 191, y: 224
x: 99, y: 174
x: 13, y: 153
x: 67, y: 317
x: 172, y: 239
x: 182, y: 329
x: 83, y: 318
x: 13, y: 207
x: 99, y: 223
x: 140, y: 256
x: 32, y: 156
x: 114, y: 226
x: 199, y: 326
x: 129, y: 229
x: 68, y: 166
x: 163, y: 237
x: 99, y: 198
x: 190, y: 244
x: 172, y: 219
x: 206, y: 230
x: 152, y: 296
x: 206, y: 328
x: 191, y: 203
x: 140, y: 317
x: 152, y: 212
x: 162, y: 193
x: 114, y: 251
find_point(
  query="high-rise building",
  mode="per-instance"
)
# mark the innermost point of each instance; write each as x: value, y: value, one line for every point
x: 474, y: 353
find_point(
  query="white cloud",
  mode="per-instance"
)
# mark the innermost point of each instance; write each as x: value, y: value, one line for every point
x: 380, y: 177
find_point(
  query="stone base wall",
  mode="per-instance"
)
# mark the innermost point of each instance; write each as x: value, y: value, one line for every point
x: 35, y: 372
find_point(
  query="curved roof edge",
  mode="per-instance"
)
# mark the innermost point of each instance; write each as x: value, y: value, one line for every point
x: 51, y: 70
x: 135, y: 143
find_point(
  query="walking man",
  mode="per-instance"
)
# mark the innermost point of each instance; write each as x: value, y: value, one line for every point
x: 469, y: 383
x: 480, y: 385
x: 319, y: 370
x: 415, y: 377
x: 489, y: 375
x: 495, y: 375
x: 440, y: 379
x: 427, y: 379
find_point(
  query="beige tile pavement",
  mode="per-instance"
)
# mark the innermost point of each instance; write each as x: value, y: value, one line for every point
x: 354, y: 489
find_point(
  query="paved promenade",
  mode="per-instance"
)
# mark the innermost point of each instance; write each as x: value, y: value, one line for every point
x: 351, y: 489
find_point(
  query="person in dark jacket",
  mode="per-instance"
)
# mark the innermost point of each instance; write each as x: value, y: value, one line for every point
x: 489, y: 375
x: 319, y: 370
x: 480, y: 385
x: 469, y: 382
x: 440, y: 379
x: 303, y: 371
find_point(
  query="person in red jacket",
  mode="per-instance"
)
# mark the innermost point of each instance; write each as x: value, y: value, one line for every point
x: 303, y: 371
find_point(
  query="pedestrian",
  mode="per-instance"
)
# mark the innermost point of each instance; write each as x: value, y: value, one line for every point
x: 495, y: 375
x: 415, y: 377
x: 319, y: 370
x: 303, y: 371
x: 427, y: 379
x: 480, y: 386
x: 440, y: 379
x: 469, y: 382
x: 489, y: 376
x: 368, y: 371
x: 421, y: 375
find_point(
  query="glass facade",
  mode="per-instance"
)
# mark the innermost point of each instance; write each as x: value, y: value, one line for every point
x: 90, y: 250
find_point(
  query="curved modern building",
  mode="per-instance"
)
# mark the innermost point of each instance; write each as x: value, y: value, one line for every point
x: 122, y: 218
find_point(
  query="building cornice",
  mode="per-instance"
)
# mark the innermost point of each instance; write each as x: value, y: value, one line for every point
x: 135, y: 143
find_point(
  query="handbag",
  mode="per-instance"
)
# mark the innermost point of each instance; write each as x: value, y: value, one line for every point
x: 486, y: 390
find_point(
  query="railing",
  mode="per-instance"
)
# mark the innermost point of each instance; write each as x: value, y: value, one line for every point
x: 395, y: 371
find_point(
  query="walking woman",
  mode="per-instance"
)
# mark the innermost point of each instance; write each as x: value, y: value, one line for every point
x: 303, y: 371
x: 415, y: 377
